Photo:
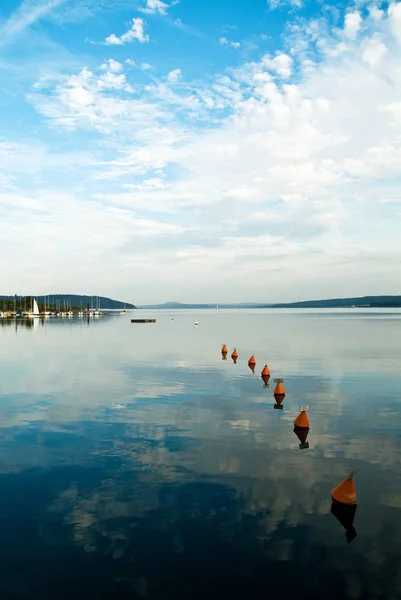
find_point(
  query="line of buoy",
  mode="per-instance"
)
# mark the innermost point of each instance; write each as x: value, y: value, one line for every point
x: 344, y: 499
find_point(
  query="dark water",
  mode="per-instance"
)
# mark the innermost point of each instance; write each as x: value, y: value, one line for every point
x: 135, y: 463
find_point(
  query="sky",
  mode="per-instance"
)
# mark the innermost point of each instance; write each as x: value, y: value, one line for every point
x: 200, y: 150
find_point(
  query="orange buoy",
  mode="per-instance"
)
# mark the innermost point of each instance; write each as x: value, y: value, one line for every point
x: 265, y: 370
x: 196, y: 323
x: 279, y: 389
x: 252, y: 360
x: 345, y: 492
x: 234, y: 355
x: 302, y: 434
x: 224, y: 349
x: 302, y: 421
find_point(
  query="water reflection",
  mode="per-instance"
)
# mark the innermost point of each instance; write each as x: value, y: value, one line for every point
x: 302, y: 435
x: 266, y: 379
x: 345, y: 514
x: 130, y: 473
x: 21, y: 322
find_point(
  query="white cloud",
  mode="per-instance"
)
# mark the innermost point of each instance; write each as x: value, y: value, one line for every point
x: 27, y: 14
x: 352, y: 25
x: 155, y: 6
x: 112, y: 65
x: 375, y: 12
x: 281, y: 64
x: 373, y: 51
x: 135, y: 33
x: 111, y: 81
x: 90, y: 100
x: 174, y: 76
x: 394, y: 12
x: 273, y: 4
x: 225, y: 42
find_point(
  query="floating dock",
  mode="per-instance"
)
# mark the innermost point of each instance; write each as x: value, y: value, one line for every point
x: 143, y: 320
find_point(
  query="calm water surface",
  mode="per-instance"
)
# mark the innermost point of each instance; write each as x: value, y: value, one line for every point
x: 136, y: 463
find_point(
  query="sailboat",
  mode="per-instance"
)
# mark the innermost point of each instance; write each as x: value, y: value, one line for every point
x: 35, y: 309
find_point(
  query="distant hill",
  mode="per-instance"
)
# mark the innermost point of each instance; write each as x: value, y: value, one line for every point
x: 178, y: 305
x: 365, y: 301
x: 93, y: 301
x: 75, y: 300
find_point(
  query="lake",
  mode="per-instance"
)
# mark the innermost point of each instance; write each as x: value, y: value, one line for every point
x: 136, y: 463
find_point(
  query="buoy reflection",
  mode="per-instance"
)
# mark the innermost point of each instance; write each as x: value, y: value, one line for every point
x: 302, y: 434
x: 345, y: 515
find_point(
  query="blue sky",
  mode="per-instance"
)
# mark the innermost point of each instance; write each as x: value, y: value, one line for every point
x: 200, y: 151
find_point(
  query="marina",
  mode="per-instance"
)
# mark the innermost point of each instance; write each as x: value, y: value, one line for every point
x: 29, y: 308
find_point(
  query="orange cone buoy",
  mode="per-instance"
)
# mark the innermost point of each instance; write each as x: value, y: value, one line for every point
x: 345, y: 492
x: 234, y: 355
x: 224, y: 349
x: 302, y: 421
x: 279, y: 389
x: 265, y: 370
x: 265, y: 379
x: 345, y: 515
x: 302, y: 434
x: 252, y: 360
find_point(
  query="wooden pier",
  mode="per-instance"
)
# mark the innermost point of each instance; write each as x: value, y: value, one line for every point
x: 143, y: 320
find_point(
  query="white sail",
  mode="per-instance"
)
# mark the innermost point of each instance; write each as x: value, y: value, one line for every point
x: 35, y: 307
